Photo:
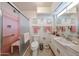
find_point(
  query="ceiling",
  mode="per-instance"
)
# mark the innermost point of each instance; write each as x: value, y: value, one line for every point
x: 43, y: 4
x: 25, y: 5
x: 34, y: 6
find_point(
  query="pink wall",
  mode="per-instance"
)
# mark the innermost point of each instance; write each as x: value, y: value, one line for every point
x: 36, y: 29
x: 48, y: 28
x: 10, y: 34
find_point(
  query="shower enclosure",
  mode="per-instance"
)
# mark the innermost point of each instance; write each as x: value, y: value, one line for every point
x: 0, y: 27
x: 24, y: 28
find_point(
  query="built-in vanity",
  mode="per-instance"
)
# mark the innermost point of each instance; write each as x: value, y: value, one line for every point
x: 61, y: 46
x: 65, y: 40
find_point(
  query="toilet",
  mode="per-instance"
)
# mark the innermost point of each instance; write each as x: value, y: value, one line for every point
x: 34, y: 47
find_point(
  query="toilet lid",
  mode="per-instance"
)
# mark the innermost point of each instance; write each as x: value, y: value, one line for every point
x: 34, y: 44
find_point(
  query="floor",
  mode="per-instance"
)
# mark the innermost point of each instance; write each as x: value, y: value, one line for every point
x: 45, y: 52
x: 28, y: 52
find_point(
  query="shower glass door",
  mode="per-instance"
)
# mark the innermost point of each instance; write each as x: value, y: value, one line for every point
x: 0, y: 27
x: 24, y: 28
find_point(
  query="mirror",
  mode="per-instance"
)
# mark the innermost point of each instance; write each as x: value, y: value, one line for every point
x: 69, y: 21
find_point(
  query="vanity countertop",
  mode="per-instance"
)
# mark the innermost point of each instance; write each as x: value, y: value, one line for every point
x: 67, y: 43
x: 64, y: 42
x: 76, y: 48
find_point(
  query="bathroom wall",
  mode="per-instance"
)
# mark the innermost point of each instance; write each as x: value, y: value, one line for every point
x: 10, y: 27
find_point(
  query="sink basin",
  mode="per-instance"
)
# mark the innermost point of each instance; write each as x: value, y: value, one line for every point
x: 63, y: 41
x: 75, y: 42
x: 69, y: 39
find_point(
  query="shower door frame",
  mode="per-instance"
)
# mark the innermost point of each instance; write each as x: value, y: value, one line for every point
x: 1, y: 26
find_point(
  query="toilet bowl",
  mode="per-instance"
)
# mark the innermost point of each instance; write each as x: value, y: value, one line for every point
x: 34, y: 47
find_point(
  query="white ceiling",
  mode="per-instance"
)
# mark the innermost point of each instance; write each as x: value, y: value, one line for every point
x: 43, y: 4
x: 32, y: 6
x: 25, y: 5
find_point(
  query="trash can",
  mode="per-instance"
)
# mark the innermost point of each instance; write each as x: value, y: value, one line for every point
x: 41, y: 46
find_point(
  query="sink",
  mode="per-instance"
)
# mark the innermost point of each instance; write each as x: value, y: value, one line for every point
x: 75, y: 42
x: 63, y: 41
x: 71, y: 39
